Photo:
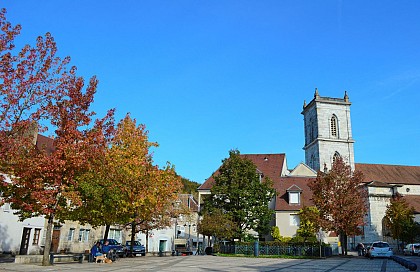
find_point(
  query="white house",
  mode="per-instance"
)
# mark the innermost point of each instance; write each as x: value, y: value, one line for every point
x: 23, y: 237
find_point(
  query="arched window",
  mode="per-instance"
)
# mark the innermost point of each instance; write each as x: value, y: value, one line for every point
x: 336, y: 156
x: 334, y: 126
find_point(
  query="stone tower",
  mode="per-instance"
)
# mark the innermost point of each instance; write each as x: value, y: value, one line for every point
x: 327, y: 131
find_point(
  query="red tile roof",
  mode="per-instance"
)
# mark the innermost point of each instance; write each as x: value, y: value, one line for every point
x: 282, y: 199
x: 188, y: 201
x: 394, y: 174
x: 413, y: 201
x: 270, y: 165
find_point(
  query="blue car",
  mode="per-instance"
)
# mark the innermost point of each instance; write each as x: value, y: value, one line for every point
x: 119, y: 249
x: 138, y: 248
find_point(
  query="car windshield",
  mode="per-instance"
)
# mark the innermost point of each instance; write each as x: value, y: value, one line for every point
x: 417, y: 246
x: 111, y: 242
x: 136, y: 243
x: 381, y: 244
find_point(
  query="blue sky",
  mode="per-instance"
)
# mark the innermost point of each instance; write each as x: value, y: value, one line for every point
x: 209, y: 76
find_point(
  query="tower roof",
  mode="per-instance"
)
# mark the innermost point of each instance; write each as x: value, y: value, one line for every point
x: 326, y: 99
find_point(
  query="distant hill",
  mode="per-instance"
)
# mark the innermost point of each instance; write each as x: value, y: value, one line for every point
x: 190, y: 187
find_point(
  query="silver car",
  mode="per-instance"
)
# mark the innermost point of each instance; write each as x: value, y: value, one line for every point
x: 380, y: 249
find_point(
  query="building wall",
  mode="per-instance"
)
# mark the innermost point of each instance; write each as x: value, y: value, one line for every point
x: 379, y: 198
x: 78, y: 241
x: 11, y: 230
x: 409, y: 189
x: 283, y: 222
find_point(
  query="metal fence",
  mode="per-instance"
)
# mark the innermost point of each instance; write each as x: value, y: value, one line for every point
x: 288, y: 250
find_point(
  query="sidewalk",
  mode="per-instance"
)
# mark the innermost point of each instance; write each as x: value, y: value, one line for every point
x: 215, y: 263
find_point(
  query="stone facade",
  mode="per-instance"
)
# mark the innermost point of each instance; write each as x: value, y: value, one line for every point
x: 327, y: 131
x: 379, y: 198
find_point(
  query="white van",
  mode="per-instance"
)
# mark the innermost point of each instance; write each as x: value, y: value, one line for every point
x: 412, y: 249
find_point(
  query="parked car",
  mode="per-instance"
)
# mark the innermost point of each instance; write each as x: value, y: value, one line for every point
x: 119, y: 249
x: 138, y: 248
x: 379, y: 249
x: 412, y: 249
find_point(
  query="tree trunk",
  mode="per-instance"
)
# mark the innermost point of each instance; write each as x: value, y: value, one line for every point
x: 345, y: 243
x: 48, y: 240
x: 342, y: 242
x: 133, y: 236
x: 147, y: 241
x: 107, y: 227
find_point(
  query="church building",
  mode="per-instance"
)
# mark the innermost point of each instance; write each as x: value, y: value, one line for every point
x: 328, y: 134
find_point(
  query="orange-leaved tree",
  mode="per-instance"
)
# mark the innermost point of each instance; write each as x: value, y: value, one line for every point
x: 159, y: 207
x: 341, y: 200
x: 125, y: 187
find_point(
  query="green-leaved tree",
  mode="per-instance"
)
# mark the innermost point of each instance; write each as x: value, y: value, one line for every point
x: 309, y: 223
x: 399, y: 219
x: 240, y: 192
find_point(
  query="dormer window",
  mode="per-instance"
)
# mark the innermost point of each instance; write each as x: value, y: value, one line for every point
x: 294, y: 195
x: 260, y: 175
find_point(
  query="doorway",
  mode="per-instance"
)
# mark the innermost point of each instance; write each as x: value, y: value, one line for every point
x: 162, y: 245
x: 55, y: 241
x: 24, y: 244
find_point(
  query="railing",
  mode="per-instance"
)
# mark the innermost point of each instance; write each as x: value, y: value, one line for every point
x: 287, y: 250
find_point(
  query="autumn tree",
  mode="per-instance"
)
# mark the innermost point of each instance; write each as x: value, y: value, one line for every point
x: 157, y: 210
x: 29, y: 80
x: 45, y: 183
x: 125, y: 187
x: 399, y: 219
x: 240, y: 192
x: 38, y: 90
x: 341, y: 200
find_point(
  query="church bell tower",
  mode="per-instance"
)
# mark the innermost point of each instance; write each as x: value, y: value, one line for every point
x: 327, y: 131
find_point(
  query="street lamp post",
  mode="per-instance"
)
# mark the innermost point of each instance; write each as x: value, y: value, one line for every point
x: 189, y: 235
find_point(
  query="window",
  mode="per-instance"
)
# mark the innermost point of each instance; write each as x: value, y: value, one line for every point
x: 115, y: 234
x: 71, y: 235
x: 84, y: 235
x: 294, y: 197
x: 36, y: 236
x: 312, y: 162
x: 294, y: 194
x: 336, y: 156
x: 6, y: 207
x: 294, y: 220
x: 334, y: 126
x: 310, y: 131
